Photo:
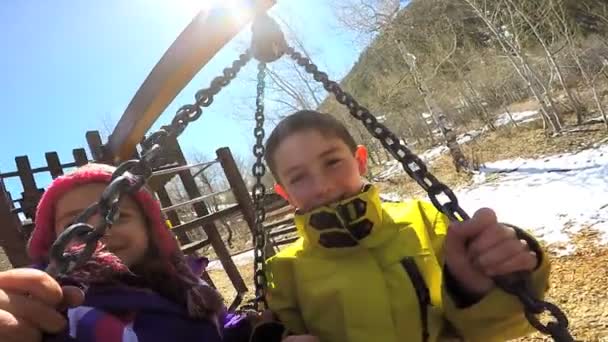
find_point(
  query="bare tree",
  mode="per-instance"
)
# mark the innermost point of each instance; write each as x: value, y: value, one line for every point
x: 437, y: 114
x: 508, y: 38
x: 107, y: 122
x: 516, y: 8
x: 575, y: 50
x: 366, y: 17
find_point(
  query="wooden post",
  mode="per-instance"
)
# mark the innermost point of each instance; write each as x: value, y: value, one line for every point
x: 237, y: 184
x: 11, y: 239
x: 210, y: 229
x: 80, y: 156
x: 31, y: 194
x: 96, y: 147
x: 55, y: 168
x: 239, y: 189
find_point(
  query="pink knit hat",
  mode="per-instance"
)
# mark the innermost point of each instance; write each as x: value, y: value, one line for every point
x: 43, y: 235
x: 202, y: 301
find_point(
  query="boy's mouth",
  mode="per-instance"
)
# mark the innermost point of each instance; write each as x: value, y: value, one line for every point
x: 333, y: 202
x: 328, y: 203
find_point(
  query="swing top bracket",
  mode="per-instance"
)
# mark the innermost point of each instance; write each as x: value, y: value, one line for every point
x: 267, y: 40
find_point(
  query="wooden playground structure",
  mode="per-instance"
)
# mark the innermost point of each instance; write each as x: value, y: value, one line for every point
x: 176, y: 68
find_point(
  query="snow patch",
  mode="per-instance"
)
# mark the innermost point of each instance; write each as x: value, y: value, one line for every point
x: 554, y: 196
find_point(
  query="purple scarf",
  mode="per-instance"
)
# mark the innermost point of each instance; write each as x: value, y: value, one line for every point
x: 129, y: 315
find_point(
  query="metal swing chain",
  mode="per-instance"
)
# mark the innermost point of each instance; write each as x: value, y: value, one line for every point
x: 417, y: 169
x: 130, y: 177
x: 258, y: 192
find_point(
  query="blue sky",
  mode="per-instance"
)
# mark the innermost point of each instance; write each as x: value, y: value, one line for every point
x: 72, y: 66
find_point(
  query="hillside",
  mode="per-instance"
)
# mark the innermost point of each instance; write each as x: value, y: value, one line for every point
x: 449, y: 51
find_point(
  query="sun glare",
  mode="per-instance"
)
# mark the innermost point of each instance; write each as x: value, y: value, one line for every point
x: 234, y: 10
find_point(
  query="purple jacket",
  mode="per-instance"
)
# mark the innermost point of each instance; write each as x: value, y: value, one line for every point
x: 126, y: 314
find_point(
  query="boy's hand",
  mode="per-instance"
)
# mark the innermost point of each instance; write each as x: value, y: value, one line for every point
x: 481, y: 248
x: 29, y: 304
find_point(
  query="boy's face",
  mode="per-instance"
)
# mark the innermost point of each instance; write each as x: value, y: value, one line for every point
x: 315, y: 170
x: 128, y: 237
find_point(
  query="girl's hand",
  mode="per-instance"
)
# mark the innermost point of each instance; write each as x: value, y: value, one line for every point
x: 30, y: 301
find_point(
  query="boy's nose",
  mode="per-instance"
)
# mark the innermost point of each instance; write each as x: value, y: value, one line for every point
x: 323, y: 188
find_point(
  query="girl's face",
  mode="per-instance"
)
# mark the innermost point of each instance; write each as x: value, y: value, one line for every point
x: 128, y: 237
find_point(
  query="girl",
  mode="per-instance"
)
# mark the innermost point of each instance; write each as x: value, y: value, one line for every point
x: 140, y: 289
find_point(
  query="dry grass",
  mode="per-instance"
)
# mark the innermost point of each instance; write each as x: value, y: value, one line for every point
x: 4, y: 263
x: 580, y: 287
x: 223, y: 284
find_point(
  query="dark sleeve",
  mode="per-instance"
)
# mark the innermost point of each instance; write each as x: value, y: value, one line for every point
x: 461, y: 297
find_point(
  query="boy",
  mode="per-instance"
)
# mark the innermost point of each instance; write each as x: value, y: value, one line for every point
x: 363, y: 270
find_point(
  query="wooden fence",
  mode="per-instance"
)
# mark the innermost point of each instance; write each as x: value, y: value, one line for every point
x: 17, y: 216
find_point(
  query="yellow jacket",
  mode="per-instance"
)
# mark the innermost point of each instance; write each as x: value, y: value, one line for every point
x: 350, y: 284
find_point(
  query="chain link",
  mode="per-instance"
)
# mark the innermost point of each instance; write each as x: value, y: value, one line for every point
x: 411, y: 163
x: 130, y: 177
x: 258, y: 193
x: 435, y: 189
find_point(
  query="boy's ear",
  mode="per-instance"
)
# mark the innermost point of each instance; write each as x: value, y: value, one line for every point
x: 361, y: 156
x: 281, y: 192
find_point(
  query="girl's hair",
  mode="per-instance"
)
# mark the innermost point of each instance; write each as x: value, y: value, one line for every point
x: 164, y: 267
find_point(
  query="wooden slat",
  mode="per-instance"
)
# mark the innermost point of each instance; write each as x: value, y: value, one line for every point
x: 284, y: 231
x: 194, y: 246
x: 208, y: 32
x: 27, y: 227
x: 278, y: 211
x: 9, y: 174
x: 11, y: 239
x: 286, y: 241
x: 237, y: 185
x: 273, y: 201
x: 210, y: 229
x: 175, y: 169
x: 201, y: 221
x: 165, y: 201
x: 287, y: 221
x: 95, y: 146
x: 155, y: 183
x: 80, y: 156
x: 31, y: 194
x: 34, y: 170
x: 25, y: 173
x: 52, y: 160
x: 195, y: 200
x: 4, y: 192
